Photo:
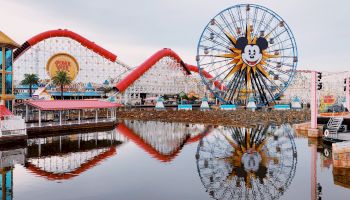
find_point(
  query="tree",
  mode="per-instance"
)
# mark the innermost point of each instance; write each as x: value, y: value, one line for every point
x: 30, y: 79
x: 61, y: 79
x: 106, y: 90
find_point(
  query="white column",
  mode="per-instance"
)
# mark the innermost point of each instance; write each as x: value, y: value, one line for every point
x: 60, y: 117
x: 39, y: 149
x: 96, y: 116
x: 39, y: 118
x: 347, y: 88
x: 107, y: 113
x: 79, y: 138
x: 26, y: 119
x: 79, y: 117
x: 60, y: 143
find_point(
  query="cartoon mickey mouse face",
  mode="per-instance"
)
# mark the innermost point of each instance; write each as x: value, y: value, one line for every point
x: 251, y: 53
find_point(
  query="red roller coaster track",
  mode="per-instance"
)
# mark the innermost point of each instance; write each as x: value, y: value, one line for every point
x: 64, y: 33
x: 68, y: 175
x: 132, y: 76
x: 131, y: 135
x: 150, y: 62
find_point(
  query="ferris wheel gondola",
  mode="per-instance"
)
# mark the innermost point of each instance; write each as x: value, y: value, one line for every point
x: 251, y: 51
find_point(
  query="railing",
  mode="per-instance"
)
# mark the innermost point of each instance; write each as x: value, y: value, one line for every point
x: 71, y: 122
x: 333, y: 126
x: 5, y: 133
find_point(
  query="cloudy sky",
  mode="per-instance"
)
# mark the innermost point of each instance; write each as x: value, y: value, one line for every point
x: 134, y: 30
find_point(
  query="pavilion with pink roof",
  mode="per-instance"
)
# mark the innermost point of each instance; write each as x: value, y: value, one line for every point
x: 65, y: 112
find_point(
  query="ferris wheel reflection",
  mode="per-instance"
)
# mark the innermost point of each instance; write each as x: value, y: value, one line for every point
x: 247, y: 163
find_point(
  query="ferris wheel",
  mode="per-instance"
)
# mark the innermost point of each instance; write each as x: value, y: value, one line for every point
x: 247, y: 163
x: 250, y: 51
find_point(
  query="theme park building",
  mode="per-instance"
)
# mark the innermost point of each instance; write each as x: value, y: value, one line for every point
x: 94, y: 70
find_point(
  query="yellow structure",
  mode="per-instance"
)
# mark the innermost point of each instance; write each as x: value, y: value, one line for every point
x: 62, y: 62
x: 7, y: 46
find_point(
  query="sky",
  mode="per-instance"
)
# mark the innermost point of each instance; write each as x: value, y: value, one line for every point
x: 134, y: 30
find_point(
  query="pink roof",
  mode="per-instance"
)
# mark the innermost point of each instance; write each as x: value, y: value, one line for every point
x: 4, y: 111
x: 71, y: 104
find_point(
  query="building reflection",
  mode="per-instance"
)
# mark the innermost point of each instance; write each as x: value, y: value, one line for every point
x: 247, y: 163
x: 65, y: 157
x: 8, y: 159
x: 341, y: 176
x: 162, y: 140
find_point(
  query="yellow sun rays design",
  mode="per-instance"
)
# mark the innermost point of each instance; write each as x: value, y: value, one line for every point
x: 240, y: 149
x: 237, y: 62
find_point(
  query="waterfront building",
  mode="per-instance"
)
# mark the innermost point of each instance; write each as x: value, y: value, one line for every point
x: 332, y: 85
x: 7, y: 45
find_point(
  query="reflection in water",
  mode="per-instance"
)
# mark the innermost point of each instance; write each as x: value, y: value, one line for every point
x: 162, y: 140
x: 233, y: 163
x: 64, y: 157
x: 247, y: 163
x: 8, y: 159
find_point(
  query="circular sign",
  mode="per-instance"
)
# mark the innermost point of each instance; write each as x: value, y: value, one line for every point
x: 62, y: 62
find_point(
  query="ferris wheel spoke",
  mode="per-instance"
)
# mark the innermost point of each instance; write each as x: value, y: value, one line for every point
x: 221, y: 73
x: 215, y: 62
x: 247, y: 9
x: 254, y: 91
x: 278, y: 43
x: 255, y: 20
x: 231, y: 83
x: 240, y: 19
x: 284, y: 49
x: 260, y: 88
x: 234, y: 22
x: 272, y: 30
x: 269, y: 22
x: 280, y: 33
x: 277, y: 87
x: 268, y: 66
x: 261, y: 21
x: 241, y: 86
x: 283, y: 64
x: 262, y: 82
x: 234, y: 88
x: 219, y: 35
x: 257, y: 92
x: 216, y: 49
x: 267, y: 87
x: 226, y: 23
x: 218, y: 43
x: 220, y: 67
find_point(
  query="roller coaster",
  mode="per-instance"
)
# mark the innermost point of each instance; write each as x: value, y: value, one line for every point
x: 98, y: 65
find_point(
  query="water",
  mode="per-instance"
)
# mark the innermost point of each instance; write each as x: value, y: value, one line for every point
x: 155, y: 160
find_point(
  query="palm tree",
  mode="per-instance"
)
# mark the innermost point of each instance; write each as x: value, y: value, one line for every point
x: 30, y: 79
x: 61, y: 79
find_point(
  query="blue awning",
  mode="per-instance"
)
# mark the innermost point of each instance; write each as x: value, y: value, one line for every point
x: 78, y: 94
x: 22, y: 96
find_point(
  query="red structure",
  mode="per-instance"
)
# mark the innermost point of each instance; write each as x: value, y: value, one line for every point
x: 131, y: 135
x: 4, y: 111
x: 64, y: 33
x: 145, y: 66
x: 69, y: 175
x: 132, y: 76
